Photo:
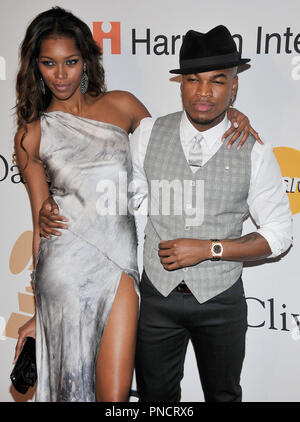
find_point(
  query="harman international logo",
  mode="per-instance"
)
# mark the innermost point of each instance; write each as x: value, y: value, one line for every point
x: 289, y: 162
x: 145, y: 41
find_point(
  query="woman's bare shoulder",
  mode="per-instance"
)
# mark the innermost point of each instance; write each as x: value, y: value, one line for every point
x: 128, y: 101
x: 128, y: 109
x: 121, y: 96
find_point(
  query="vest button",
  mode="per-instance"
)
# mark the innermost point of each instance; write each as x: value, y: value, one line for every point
x: 193, y: 183
x: 188, y: 206
x: 187, y: 227
x: 185, y: 269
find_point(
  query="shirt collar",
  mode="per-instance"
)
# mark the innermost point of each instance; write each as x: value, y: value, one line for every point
x: 211, y: 136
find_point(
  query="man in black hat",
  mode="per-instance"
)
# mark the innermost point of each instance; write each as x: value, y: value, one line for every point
x: 199, y: 193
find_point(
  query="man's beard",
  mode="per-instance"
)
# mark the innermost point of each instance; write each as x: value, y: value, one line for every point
x: 205, y: 122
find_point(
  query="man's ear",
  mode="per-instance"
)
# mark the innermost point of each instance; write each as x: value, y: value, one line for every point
x: 235, y: 84
x: 181, y: 82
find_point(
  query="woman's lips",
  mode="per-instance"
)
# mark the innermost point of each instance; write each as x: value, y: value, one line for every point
x: 61, y: 87
x: 203, y: 106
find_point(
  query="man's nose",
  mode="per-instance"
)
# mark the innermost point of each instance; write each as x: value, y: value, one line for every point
x: 204, y: 89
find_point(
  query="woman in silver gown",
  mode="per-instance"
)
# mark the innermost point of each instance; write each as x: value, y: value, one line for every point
x: 72, y: 143
x: 74, y: 135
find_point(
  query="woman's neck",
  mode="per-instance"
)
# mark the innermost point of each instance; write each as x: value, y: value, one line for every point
x: 75, y: 105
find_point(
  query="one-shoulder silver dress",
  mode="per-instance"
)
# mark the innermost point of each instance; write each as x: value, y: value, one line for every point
x: 77, y: 274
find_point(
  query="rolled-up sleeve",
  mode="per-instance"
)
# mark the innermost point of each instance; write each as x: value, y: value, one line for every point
x: 268, y: 201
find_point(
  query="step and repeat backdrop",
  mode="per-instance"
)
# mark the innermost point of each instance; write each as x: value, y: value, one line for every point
x: 141, y: 41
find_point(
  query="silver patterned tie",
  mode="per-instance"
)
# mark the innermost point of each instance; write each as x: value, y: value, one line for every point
x: 195, y: 153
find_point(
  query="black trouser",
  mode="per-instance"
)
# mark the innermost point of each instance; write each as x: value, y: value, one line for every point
x: 217, y: 330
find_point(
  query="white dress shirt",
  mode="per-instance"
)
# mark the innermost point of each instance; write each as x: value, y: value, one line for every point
x: 267, y: 199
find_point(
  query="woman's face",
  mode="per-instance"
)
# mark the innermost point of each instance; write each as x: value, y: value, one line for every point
x: 61, y: 64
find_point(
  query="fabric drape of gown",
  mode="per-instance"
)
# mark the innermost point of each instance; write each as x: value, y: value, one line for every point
x: 77, y: 274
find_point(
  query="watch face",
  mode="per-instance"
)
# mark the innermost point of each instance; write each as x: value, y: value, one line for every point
x: 217, y: 249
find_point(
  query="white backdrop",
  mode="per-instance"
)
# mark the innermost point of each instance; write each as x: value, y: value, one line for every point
x: 269, y: 33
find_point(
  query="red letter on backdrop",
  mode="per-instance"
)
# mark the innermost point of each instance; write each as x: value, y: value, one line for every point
x: 114, y: 35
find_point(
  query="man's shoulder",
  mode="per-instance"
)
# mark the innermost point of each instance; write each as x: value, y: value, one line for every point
x: 169, y: 119
x: 261, y: 151
x: 171, y: 116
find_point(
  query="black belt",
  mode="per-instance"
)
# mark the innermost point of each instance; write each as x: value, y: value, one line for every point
x: 183, y: 288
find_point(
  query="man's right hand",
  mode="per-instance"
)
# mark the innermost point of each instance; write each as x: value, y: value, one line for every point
x: 49, y: 219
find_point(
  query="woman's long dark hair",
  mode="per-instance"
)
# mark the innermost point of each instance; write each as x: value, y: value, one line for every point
x: 31, y: 102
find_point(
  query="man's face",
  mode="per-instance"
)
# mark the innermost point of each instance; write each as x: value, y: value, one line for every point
x: 206, y: 96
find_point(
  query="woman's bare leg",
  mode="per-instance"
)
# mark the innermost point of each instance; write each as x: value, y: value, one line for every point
x: 115, y: 362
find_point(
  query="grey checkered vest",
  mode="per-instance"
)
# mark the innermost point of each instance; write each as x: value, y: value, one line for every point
x: 208, y: 204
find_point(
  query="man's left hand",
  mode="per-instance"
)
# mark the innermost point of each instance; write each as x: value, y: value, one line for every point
x: 179, y: 253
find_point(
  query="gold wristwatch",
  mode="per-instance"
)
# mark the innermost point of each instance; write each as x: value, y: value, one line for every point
x: 216, y: 250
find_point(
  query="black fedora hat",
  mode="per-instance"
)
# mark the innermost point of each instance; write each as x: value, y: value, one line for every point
x: 211, y: 51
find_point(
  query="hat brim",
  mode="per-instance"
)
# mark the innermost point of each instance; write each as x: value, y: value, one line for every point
x: 208, y: 67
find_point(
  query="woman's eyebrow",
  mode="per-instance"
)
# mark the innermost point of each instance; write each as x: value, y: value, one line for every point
x: 48, y: 57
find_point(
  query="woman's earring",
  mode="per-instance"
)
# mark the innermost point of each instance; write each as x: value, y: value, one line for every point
x: 43, y: 86
x: 84, y: 81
